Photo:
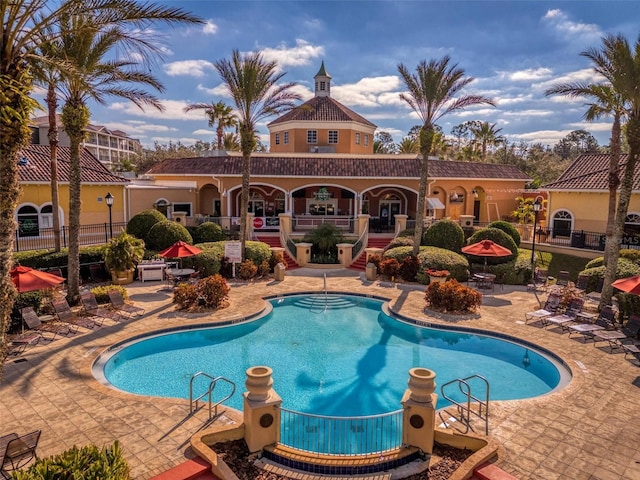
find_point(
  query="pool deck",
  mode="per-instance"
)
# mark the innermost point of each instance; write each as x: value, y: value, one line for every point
x: 589, y: 430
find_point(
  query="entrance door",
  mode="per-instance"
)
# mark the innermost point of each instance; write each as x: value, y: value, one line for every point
x: 476, y: 211
x: 388, y: 210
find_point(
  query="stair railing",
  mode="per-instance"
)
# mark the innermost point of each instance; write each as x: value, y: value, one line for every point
x: 361, y: 244
x: 288, y: 244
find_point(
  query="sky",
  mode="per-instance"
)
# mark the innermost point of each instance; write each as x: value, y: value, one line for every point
x: 514, y: 50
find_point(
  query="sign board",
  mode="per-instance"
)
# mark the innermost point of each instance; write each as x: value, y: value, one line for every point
x: 258, y: 222
x: 233, y: 251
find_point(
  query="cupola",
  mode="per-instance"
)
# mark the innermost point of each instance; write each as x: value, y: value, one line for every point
x: 323, y: 82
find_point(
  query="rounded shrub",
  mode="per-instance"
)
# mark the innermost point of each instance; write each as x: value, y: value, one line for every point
x: 497, y: 236
x: 400, y: 242
x: 207, y: 263
x: 451, y: 296
x: 208, y: 232
x: 596, y: 262
x: 434, y: 258
x: 257, y: 252
x: 445, y: 234
x: 166, y: 233
x: 507, y: 228
x: 141, y: 223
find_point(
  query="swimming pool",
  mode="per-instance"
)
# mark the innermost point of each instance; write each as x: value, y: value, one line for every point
x: 337, y: 355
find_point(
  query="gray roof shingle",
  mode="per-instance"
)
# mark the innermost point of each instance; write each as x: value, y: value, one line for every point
x: 376, y: 166
x: 38, y: 166
x: 321, y: 109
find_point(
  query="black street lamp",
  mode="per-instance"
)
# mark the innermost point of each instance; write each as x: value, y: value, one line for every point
x: 537, y: 205
x: 108, y: 198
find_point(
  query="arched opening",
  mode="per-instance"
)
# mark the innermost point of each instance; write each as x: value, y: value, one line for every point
x: 562, y: 224
x: 28, y: 221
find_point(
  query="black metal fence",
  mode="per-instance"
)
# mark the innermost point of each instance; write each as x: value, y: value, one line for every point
x: 43, y: 239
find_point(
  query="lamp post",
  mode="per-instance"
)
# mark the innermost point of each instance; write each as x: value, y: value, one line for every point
x: 108, y: 198
x: 536, y: 208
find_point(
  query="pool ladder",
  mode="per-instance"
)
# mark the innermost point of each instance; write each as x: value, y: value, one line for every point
x: 471, y: 406
x: 193, y: 402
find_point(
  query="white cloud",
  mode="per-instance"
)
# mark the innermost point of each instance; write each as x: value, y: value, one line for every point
x: 513, y: 100
x: 192, y: 68
x: 174, y: 110
x: 529, y: 113
x: 183, y: 140
x: 478, y: 113
x: 585, y: 75
x: 561, y: 23
x: 547, y: 137
x: 134, y: 128
x: 209, y: 28
x: 592, y: 127
x: 217, y: 91
x: 300, y: 55
x: 529, y: 74
x: 202, y: 131
x: 369, y: 91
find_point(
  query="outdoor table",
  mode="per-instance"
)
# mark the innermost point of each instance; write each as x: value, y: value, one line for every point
x: 484, y: 280
x: 181, y: 274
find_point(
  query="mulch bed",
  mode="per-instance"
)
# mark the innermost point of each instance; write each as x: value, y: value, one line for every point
x: 236, y: 455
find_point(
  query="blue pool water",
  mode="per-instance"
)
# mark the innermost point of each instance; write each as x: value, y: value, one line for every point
x: 336, y: 356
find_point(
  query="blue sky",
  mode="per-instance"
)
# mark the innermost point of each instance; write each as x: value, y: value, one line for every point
x: 514, y: 49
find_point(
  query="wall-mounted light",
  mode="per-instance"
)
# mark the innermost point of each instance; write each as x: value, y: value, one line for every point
x: 474, y: 193
x: 436, y: 192
x: 224, y: 193
x: 453, y: 196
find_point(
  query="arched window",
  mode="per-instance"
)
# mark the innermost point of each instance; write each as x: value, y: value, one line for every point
x: 162, y: 206
x: 562, y: 223
x: 632, y: 224
x: 28, y: 221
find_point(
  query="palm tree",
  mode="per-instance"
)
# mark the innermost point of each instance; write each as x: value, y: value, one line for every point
x: 409, y: 145
x: 231, y: 142
x: 432, y: 91
x: 487, y: 135
x: 26, y: 24
x: 220, y: 116
x: 252, y: 83
x: 605, y: 100
x: 86, y: 42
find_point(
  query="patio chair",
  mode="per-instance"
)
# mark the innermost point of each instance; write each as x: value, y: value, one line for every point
x: 565, y: 319
x: 550, y: 308
x: 20, y: 343
x: 539, y: 281
x: 118, y: 303
x: 66, y: 315
x: 563, y: 278
x: 596, y: 294
x: 582, y: 282
x: 604, y: 321
x: 617, y: 338
x: 52, y: 329
x: 17, y: 451
x: 91, y: 306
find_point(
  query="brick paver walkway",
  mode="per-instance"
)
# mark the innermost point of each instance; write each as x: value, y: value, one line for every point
x: 589, y: 430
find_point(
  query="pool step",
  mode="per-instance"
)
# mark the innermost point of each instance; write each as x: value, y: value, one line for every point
x: 331, y: 302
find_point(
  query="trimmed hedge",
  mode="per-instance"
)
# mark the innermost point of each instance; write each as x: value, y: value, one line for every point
x: 400, y: 242
x: 208, y: 232
x: 165, y: 233
x: 47, y: 259
x: 433, y: 257
x: 625, y: 268
x: 257, y: 252
x: 141, y: 223
x: 507, y: 228
x: 445, y: 234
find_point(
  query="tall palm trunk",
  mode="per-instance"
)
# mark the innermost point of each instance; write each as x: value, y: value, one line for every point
x: 247, y: 140
x: 15, y: 109
x: 626, y: 187
x: 427, y: 133
x: 75, y: 117
x: 52, y: 105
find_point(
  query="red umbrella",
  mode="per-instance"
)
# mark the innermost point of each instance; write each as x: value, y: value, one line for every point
x: 486, y: 248
x: 27, y: 279
x: 180, y: 249
x: 629, y: 284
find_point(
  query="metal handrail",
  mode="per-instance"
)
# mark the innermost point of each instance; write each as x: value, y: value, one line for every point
x: 360, y: 244
x: 465, y: 409
x: 288, y: 244
x: 209, y: 393
x: 343, y: 436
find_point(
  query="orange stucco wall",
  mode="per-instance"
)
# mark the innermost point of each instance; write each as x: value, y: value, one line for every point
x: 298, y: 141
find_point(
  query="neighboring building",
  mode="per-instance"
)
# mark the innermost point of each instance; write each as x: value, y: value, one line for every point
x: 110, y: 147
x: 321, y: 167
x: 34, y: 213
x: 579, y: 200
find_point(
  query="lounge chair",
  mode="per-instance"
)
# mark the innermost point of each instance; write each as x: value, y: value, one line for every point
x: 539, y: 281
x: 582, y: 283
x: 17, y: 451
x: 64, y: 314
x: 20, y: 343
x: 597, y: 293
x: 563, y: 278
x: 91, y: 306
x: 617, y: 338
x: 567, y: 318
x: 550, y: 308
x: 605, y: 321
x: 50, y: 330
x: 120, y: 305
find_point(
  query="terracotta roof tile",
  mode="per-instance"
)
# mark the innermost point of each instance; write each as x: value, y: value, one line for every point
x: 322, y: 109
x: 590, y: 172
x: 377, y: 166
x: 38, y: 167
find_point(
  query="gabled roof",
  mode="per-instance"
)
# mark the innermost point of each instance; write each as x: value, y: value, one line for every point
x: 37, y: 168
x: 322, y: 109
x: 590, y: 172
x: 336, y: 165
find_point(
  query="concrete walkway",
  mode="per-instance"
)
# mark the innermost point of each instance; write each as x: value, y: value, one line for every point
x: 589, y: 430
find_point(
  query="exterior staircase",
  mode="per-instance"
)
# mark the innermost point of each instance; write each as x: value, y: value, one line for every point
x: 374, y: 242
x: 274, y: 241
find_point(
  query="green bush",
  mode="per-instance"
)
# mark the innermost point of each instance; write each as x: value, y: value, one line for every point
x: 165, y: 233
x: 625, y: 254
x: 208, y: 232
x: 626, y: 268
x: 497, y: 236
x: 257, y: 252
x: 596, y: 262
x: 324, y: 240
x: 445, y: 234
x: 451, y: 296
x: 400, y: 242
x: 408, y: 232
x: 507, y: 228
x: 40, y: 259
x: 141, y: 223
x: 207, y: 263
x: 102, y: 292
x: 433, y: 257
x: 89, y: 462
